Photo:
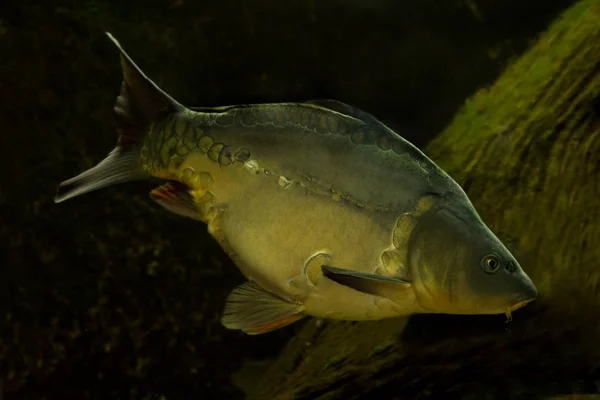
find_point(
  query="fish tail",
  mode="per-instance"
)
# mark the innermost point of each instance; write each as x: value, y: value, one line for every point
x: 140, y: 104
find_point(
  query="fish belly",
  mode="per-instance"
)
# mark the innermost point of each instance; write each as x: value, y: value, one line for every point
x: 280, y: 236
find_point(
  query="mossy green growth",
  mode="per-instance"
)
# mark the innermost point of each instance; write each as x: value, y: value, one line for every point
x: 533, y: 96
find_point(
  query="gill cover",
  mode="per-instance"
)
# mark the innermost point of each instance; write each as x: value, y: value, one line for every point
x: 460, y: 267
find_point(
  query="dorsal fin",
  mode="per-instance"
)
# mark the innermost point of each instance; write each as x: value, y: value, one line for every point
x: 140, y: 102
x: 221, y: 108
x: 333, y: 105
x: 347, y: 109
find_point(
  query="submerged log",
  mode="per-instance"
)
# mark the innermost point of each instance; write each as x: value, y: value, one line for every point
x: 527, y: 151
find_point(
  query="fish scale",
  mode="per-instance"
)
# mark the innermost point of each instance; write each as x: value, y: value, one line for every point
x: 307, y: 121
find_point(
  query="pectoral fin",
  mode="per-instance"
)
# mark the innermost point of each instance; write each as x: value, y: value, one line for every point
x: 176, y: 198
x: 255, y: 311
x: 367, y: 283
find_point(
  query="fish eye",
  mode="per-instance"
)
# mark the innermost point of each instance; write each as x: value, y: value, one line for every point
x: 490, y: 263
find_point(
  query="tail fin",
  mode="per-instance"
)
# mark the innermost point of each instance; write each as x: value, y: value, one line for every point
x: 140, y: 103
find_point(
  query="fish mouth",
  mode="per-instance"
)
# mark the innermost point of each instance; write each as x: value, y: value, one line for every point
x: 519, y: 304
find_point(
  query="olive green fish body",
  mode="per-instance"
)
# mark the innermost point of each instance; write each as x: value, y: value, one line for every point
x: 325, y: 150
x: 280, y: 171
x: 323, y: 208
x: 264, y: 203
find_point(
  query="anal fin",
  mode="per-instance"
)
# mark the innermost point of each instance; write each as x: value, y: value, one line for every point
x: 175, y: 197
x: 255, y: 311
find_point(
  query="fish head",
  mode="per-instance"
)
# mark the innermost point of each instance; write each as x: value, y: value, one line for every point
x: 460, y: 267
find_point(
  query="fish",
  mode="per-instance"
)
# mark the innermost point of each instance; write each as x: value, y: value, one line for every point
x: 325, y: 210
